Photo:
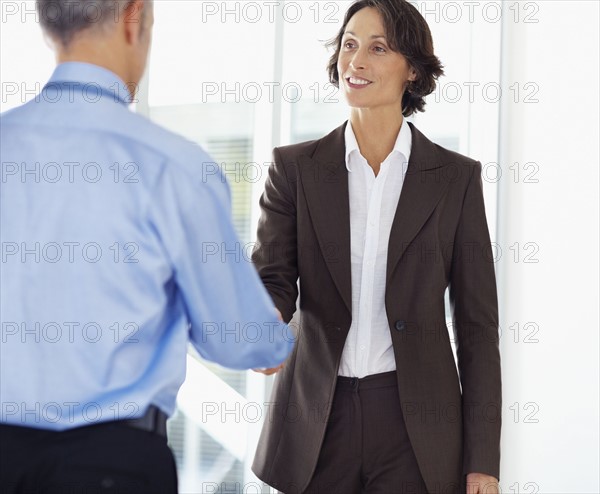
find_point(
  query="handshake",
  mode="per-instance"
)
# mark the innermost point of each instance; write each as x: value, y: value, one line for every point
x: 273, y: 370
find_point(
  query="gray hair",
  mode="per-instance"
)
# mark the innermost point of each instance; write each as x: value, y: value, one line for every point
x: 63, y: 19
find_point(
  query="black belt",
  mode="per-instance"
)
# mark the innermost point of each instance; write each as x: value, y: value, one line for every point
x: 154, y: 420
x: 383, y: 380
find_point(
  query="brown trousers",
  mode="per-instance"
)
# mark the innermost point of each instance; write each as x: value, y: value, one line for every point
x: 366, y: 449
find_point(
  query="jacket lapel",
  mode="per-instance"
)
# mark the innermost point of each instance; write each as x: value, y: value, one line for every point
x: 423, y: 188
x: 324, y: 179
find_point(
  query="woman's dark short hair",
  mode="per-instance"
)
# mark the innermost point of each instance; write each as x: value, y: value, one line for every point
x: 407, y: 32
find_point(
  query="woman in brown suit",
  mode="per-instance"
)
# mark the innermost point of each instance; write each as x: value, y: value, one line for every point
x: 375, y: 222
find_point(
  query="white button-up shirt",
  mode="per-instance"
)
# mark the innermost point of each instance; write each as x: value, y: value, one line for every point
x: 373, y: 203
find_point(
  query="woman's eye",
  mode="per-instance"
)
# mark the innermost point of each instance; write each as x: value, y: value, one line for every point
x: 380, y: 49
x: 349, y: 44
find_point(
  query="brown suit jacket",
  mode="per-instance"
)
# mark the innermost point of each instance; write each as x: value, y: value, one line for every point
x: 439, y: 238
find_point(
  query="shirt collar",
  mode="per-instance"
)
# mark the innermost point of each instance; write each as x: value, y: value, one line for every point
x: 93, y: 75
x: 403, y: 143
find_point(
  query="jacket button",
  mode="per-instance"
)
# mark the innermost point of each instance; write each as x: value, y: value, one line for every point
x: 400, y: 325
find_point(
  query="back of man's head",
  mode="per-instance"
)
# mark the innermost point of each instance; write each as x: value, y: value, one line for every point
x: 114, y: 34
x: 63, y: 20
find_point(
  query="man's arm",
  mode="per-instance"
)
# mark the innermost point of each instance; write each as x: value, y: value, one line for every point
x: 474, y: 303
x: 233, y: 321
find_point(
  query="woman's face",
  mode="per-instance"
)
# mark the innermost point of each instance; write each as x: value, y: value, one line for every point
x: 371, y: 74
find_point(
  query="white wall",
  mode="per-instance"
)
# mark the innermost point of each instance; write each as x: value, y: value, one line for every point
x: 553, y: 383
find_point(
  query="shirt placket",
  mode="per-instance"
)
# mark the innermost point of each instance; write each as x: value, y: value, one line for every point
x: 374, y: 186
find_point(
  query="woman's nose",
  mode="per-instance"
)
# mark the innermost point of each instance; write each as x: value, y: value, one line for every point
x: 358, y: 60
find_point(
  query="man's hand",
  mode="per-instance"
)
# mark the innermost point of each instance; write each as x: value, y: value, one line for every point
x: 479, y: 483
x: 274, y: 370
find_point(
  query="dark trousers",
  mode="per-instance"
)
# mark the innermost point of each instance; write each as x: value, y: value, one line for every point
x: 366, y: 448
x: 102, y: 458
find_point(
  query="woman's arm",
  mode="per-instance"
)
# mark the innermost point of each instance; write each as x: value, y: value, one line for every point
x: 474, y: 302
x: 276, y: 253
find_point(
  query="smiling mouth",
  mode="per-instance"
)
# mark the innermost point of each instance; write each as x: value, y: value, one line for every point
x: 357, y: 82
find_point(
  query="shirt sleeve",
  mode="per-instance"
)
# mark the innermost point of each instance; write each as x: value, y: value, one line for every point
x: 233, y: 321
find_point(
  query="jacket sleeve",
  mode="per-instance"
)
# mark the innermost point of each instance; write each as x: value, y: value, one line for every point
x: 276, y: 253
x: 474, y: 303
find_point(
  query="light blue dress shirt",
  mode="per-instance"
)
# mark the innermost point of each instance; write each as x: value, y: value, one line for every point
x: 117, y: 249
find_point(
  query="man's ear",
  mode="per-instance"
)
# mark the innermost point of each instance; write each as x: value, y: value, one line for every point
x: 133, y: 19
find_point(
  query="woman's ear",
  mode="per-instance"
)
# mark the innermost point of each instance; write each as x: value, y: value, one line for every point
x: 412, y: 74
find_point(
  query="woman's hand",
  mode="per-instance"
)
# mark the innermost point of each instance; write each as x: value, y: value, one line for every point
x: 273, y: 370
x: 269, y: 372
x: 479, y: 483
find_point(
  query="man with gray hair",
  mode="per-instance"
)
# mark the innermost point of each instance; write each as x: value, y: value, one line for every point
x: 109, y: 268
